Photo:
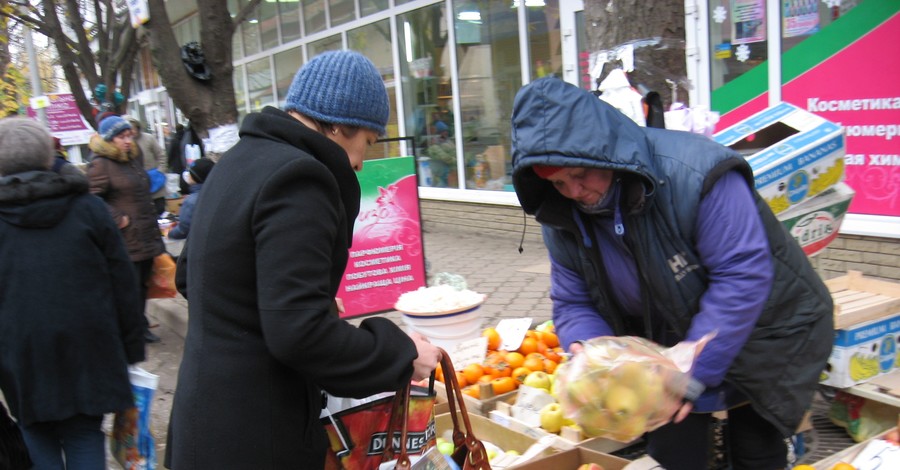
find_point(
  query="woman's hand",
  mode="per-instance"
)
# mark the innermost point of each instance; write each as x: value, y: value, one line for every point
x: 124, y: 221
x: 428, y: 359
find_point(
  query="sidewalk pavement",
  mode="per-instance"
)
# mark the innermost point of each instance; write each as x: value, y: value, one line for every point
x: 516, y: 285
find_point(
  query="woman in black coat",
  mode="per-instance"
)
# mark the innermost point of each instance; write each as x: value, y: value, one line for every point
x: 70, y: 314
x: 261, y: 268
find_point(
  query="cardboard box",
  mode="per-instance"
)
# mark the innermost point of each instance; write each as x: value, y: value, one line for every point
x: 794, y: 154
x: 473, y: 405
x: 862, y: 352
x: 569, y: 438
x: 572, y: 458
x: 488, y: 431
x: 815, y: 223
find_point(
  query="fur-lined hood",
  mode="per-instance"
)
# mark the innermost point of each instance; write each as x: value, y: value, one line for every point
x: 102, y: 148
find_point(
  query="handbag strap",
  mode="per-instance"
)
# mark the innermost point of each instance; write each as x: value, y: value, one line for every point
x: 475, y: 453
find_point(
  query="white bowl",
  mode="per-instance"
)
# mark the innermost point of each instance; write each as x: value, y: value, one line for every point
x: 458, y: 325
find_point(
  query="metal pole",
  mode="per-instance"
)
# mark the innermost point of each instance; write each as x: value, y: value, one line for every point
x: 36, y: 89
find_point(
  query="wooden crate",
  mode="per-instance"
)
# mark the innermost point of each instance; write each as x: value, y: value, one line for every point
x: 859, y: 299
x: 482, y: 407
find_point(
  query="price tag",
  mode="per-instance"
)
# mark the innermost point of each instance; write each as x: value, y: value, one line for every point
x: 468, y: 352
x: 529, y: 403
x: 512, y: 332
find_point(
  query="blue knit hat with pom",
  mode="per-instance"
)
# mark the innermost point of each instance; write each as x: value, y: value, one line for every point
x: 112, y: 126
x: 340, y: 87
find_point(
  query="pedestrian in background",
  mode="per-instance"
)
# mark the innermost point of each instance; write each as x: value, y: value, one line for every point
x: 196, y: 175
x: 155, y: 162
x: 70, y: 315
x: 117, y: 176
x: 661, y: 234
x: 268, y: 246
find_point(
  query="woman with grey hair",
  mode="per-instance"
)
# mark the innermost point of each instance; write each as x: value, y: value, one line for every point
x: 70, y: 320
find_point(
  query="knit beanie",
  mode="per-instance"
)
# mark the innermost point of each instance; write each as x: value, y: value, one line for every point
x: 112, y: 126
x: 340, y: 87
x: 200, y: 169
x: 546, y: 171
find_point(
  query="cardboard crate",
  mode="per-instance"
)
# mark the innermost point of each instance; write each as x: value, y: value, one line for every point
x: 488, y: 431
x: 815, y: 223
x: 862, y: 352
x: 569, y: 438
x: 794, y: 154
x: 572, y: 458
x: 481, y: 407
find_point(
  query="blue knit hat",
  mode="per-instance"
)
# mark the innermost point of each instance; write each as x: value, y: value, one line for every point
x: 340, y: 87
x: 112, y: 126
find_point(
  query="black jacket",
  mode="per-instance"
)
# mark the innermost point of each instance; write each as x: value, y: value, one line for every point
x: 70, y: 309
x: 267, y: 250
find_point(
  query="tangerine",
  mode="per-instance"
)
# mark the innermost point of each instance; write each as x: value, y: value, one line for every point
x: 519, y: 374
x: 549, y: 366
x: 550, y: 339
x: 493, y: 337
x: 534, y: 363
x: 472, y: 372
x: 514, y: 359
x: 473, y: 391
x: 503, y: 385
x: 461, y: 379
x: 528, y: 346
x: 439, y: 373
x: 843, y: 466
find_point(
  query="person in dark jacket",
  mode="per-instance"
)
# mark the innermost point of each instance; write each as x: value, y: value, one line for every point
x: 266, y: 253
x: 195, y: 176
x: 116, y: 175
x: 70, y: 315
x: 661, y: 234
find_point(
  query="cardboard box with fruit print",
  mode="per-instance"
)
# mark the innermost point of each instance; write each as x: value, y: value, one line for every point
x: 794, y: 154
x: 863, y: 351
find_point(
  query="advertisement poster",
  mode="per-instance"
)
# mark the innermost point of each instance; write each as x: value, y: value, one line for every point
x: 800, y: 17
x: 867, y: 104
x: 386, y: 259
x: 748, y: 21
x: 65, y: 120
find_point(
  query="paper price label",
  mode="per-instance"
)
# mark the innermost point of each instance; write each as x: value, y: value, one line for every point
x: 468, y: 352
x: 512, y: 332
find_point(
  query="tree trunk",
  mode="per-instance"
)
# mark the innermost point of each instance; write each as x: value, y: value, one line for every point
x: 612, y: 23
x: 210, y: 103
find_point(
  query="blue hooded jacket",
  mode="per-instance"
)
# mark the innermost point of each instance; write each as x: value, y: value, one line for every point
x: 687, y: 235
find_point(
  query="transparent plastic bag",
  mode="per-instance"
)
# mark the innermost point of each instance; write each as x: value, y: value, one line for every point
x: 620, y: 387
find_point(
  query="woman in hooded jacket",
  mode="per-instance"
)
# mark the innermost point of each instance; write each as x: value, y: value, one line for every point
x: 118, y: 177
x: 661, y: 234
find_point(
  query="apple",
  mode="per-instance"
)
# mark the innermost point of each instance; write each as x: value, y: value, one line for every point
x: 552, y: 418
x: 590, y: 466
x: 630, y: 428
x: 621, y: 401
x: 538, y: 379
x: 586, y: 389
x: 594, y: 421
x: 444, y: 446
x: 546, y: 326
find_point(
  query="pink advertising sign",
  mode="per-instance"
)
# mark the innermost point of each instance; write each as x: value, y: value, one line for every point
x: 386, y: 259
x: 65, y: 120
x: 859, y: 88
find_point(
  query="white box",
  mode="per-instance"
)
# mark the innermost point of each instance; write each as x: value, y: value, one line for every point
x: 794, y: 154
x: 863, y: 351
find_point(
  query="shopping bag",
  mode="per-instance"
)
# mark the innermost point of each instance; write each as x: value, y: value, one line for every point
x: 469, y: 452
x: 364, y: 436
x: 162, y: 281
x: 131, y: 442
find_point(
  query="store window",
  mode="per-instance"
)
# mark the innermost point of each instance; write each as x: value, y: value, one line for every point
x: 268, y: 24
x: 368, y: 7
x: 286, y: 65
x: 544, y: 39
x: 240, y: 97
x: 289, y: 14
x: 801, y: 19
x: 374, y: 42
x: 490, y: 74
x: 737, y: 40
x: 427, y: 97
x: 341, y: 11
x: 584, y: 56
x: 331, y: 43
x: 313, y: 16
x: 259, y: 84
x: 250, y: 31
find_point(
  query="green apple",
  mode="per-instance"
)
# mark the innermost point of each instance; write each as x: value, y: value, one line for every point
x: 590, y: 466
x: 621, y: 401
x: 538, y: 379
x: 552, y: 418
x: 594, y: 421
x: 444, y: 446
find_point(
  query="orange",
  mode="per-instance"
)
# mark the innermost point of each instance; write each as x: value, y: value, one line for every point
x: 493, y: 337
x: 519, y: 373
x: 472, y: 372
x: 503, y: 385
x: 529, y: 345
x: 553, y: 355
x: 439, y: 373
x: 461, y: 379
x: 843, y: 466
x: 514, y: 359
x: 473, y: 391
x: 534, y: 363
x: 549, y: 366
x: 486, y: 379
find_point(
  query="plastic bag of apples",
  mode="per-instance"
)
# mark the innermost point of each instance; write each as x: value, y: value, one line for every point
x: 620, y: 387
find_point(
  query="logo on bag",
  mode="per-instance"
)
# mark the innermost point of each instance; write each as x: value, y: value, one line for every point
x: 415, y: 441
